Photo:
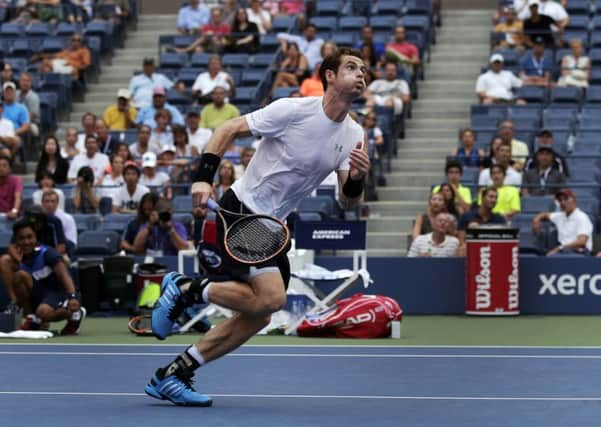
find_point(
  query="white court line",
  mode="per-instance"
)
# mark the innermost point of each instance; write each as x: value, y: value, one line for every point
x: 316, y: 355
x: 310, y: 396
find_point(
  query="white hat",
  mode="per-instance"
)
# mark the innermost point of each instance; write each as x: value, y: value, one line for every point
x: 496, y: 57
x: 9, y: 85
x: 534, y: 2
x: 123, y: 93
x: 149, y: 160
x: 168, y: 148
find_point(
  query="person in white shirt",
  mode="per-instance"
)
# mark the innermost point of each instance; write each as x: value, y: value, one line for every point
x: 153, y: 178
x: 213, y: 77
x: 550, y: 8
x: 259, y: 16
x: 574, y: 227
x: 127, y: 198
x: 138, y: 149
x: 197, y: 137
x: 9, y: 141
x: 141, y: 86
x: 50, y: 205
x: 98, y: 162
x: 46, y: 183
x: 69, y: 149
x: 495, y: 85
x: 389, y: 91
x: 309, y: 45
x: 304, y: 140
x: 113, y: 179
x: 438, y: 243
x: 502, y: 156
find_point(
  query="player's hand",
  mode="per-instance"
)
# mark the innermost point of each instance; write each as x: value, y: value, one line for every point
x: 73, y: 305
x: 359, y: 162
x: 201, y: 191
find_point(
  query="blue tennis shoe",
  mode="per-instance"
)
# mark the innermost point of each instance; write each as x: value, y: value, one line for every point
x: 176, y: 389
x: 169, y: 306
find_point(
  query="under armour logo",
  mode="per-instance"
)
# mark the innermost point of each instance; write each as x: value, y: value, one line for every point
x: 338, y: 147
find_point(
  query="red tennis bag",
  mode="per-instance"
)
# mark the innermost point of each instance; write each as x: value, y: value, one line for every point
x: 359, y: 316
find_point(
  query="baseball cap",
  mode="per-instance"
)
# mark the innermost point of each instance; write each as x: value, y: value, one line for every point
x: 158, y: 90
x: 496, y: 57
x: 545, y: 132
x: 533, y: 3
x: 9, y: 84
x: 149, y: 160
x: 566, y: 192
x: 545, y: 148
x: 168, y: 148
x: 123, y: 93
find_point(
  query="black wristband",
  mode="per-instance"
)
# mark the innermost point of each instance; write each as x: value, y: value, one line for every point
x: 207, y: 167
x: 352, y: 189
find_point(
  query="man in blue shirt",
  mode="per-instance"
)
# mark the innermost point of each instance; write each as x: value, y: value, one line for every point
x: 537, y: 66
x: 142, y: 85
x: 367, y: 38
x: 43, y: 286
x: 190, y: 18
x: 14, y: 111
x: 146, y: 114
x: 481, y: 215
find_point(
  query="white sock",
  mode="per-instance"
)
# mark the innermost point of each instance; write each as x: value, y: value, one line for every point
x: 76, y: 315
x: 35, y: 319
x: 193, y: 351
x: 205, y: 293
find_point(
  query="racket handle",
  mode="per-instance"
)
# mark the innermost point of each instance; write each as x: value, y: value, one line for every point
x: 212, y: 204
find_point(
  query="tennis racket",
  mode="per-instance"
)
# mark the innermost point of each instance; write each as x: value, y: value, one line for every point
x: 250, y: 238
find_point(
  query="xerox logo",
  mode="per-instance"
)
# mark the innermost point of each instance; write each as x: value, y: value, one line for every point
x: 568, y: 284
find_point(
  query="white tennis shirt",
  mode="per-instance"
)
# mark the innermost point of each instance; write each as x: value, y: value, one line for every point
x: 301, y: 146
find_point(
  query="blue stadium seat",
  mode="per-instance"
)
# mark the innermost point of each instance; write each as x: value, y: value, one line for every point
x: 526, y: 124
x: 324, y: 23
x: 578, y: 23
x: 593, y: 95
x: 584, y: 175
x: 116, y: 222
x: 86, y: 222
x: 252, y: 77
x: 186, y: 219
x: 183, y: 41
x: 383, y: 23
x: 98, y: 243
x: 323, y: 205
x: 102, y: 30
x: 177, y: 99
x: 484, y: 123
x: 595, y: 76
x: 283, y: 92
x: 270, y: 43
x: 200, y: 60
x: 283, y: 24
x: 261, y: 60
x: 245, y: 95
x: 584, y: 149
x: 560, y: 53
x: 53, y: 44
x: 416, y: 23
x: 559, y: 123
x: 328, y: 8
x: 182, y: 204
x: 565, y: 95
x: 537, y: 204
x: 48, y: 107
x: 188, y: 75
x: 235, y: 60
x: 595, y: 56
x: 532, y: 94
x: 590, y: 206
x: 418, y: 7
x: 470, y: 175
x: 578, y: 7
x: 65, y: 29
x: 172, y: 60
x: 12, y: 30
x: 352, y: 23
x: 22, y: 48
x: 510, y: 56
x: 5, y: 238
x: 387, y: 8
x: 38, y: 29
x: 342, y: 38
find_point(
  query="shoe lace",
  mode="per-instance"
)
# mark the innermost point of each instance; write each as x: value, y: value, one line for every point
x: 186, y: 379
x: 180, y: 305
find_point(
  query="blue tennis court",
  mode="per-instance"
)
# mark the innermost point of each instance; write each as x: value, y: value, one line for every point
x: 101, y: 385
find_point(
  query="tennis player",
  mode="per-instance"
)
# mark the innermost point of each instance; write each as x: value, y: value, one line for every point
x: 304, y: 140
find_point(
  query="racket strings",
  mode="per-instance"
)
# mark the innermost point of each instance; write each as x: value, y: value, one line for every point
x: 256, y: 239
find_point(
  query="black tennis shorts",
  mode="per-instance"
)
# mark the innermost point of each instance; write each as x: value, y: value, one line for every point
x: 43, y: 294
x: 240, y: 271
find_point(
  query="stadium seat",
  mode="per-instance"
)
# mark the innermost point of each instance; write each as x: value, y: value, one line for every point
x: 593, y: 95
x: 532, y: 94
x: 328, y: 8
x: 283, y: 24
x: 98, y: 243
x: 283, y: 92
x: 261, y: 60
x: 252, y: 77
x: 382, y: 23
x: 5, y: 238
x: 12, y: 30
x: 324, y: 23
x: 390, y: 8
x: 200, y: 60
x: 323, y: 205
x: 172, y: 60
x: 578, y: 23
x: 352, y: 23
x: 537, y: 204
x: 86, y: 222
x: 342, y: 38
x: 578, y: 7
x: 53, y: 44
x: 182, y: 204
x: 565, y: 95
x: 116, y: 222
x: 235, y: 60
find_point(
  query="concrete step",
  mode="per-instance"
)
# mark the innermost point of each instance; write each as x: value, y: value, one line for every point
x: 403, y: 208
x: 439, y: 112
x: 390, y: 223
x: 387, y: 240
x: 372, y: 253
x: 394, y: 193
x: 413, y: 151
x: 402, y: 165
x: 423, y: 122
x: 412, y: 179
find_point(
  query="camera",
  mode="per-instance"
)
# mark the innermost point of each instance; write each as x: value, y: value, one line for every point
x: 86, y: 174
x: 165, y: 216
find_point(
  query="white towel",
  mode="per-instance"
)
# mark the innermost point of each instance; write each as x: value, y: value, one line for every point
x: 34, y: 335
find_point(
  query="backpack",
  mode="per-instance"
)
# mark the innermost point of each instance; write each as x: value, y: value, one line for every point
x: 359, y: 316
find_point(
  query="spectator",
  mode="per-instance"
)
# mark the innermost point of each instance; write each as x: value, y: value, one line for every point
x: 143, y: 146
x: 463, y: 195
x: 437, y: 243
x: 308, y: 44
x: 11, y: 190
x: 423, y: 222
x: 182, y: 146
x: 512, y: 29
x: 372, y: 64
x: 229, y: 9
x: 403, y: 51
x: 542, y: 179
x: 118, y: 14
x: 259, y: 16
x: 43, y: 286
x: 88, y: 124
x: 538, y: 25
x: 367, y: 39
x: 574, y: 227
x: 217, y: 112
x: 329, y: 48
x: 197, y: 136
x: 151, y: 178
x: 502, y: 156
x: 467, y: 154
x: 174, y: 168
x: 575, y: 67
x: 245, y: 34
x: 213, y: 34
x: 14, y: 111
x: 145, y: 208
x: 52, y: 162
x: 46, y: 182
x: 75, y: 59
x: 545, y: 139
x: 98, y: 162
x: 122, y: 150
x: 7, y: 75
x: 389, y: 91
x: 50, y: 202
x: 480, y: 215
x: 80, y: 11
x: 293, y: 68
x: 536, y: 67
x: 495, y: 85
x: 206, y: 82
x: 192, y: 17
x: 142, y: 85
x: 375, y: 136
x: 121, y: 115
x: 106, y: 143
x: 31, y: 100
x: 551, y: 9
x: 312, y: 86
x: 519, y: 149
x: 449, y: 195
x: 128, y: 197
x: 70, y: 150
x: 85, y: 198
x: 198, y: 231
x: 161, y: 135
x: 161, y: 235
x: 113, y: 179
x: 226, y: 175
x: 245, y: 158
x: 9, y: 141
x: 146, y: 114
x: 508, y: 196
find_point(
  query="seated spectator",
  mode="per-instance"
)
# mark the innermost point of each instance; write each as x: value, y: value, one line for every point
x: 423, y: 222
x: 508, y: 196
x: 259, y: 16
x: 537, y: 25
x: 437, y: 243
x: 312, y: 86
x: 197, y: 136
x: 328, y: 48
x: 293, y: 68
x: 512, y: 28
x: 375, y: 136
x: 198, y: 230
x: 74, y: 59
x: 536, y: 67
x: 574, y: 227
x: 519, y: 149
x: 80, y: 11
x: 146, y: 114
x: 7, y: 75
x: 152, y: 178
x: 308, y: 44
x: 85, y: 198
x: 46, y: 183
x: 145, y: 208
x: 192, y: 17
x: 206, y: 82
x: 501, y: 157
x: 128, y: 197
x: 30, y: 99
x: 245, y: 158
x: 217, y: 112
x: 226, y: 175
x: 143, y: 146
x: 367, y: 39
x: 118, y: 15
x: 98, y: 162
x: 245, y: 34
x: 229, y: 9
x: 449, y: 195
x: 467, y: 154
x: 463, y: 195
x: 389, y: 91
x: 489, y: 160
x: 11, y: 190
x: 50, y: 202
x: 403, y: 51
x: 42, y: 286
x: 553, y: 9
x: 575, y: 67
x: 122, y: 150
x: 481, y: 215
x: 106, y: 142
x: 213, y: 35
x: 545, y: 139
x: 14, y: 111
x: 88, y: 124
x: 161, y: 235
x: 113, y: 179
x: 495, y: 85
x: 182, y: 147
x: 69, y: 149
x: 142, y: 85
x: 372, y: 64
x: 161, y: 135
x: 175, y: 168
x: 121, y: 115
x: 9, y: 141
x: 542, y: 179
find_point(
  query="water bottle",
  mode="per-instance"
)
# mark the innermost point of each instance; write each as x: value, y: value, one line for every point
x: 570, y: 144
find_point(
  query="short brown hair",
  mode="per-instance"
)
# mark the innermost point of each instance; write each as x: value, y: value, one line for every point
x: 332, y: 62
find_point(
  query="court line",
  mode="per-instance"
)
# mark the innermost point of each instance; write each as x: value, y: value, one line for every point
x: 310, y: 396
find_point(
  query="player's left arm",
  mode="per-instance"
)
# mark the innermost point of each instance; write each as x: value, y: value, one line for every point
x: 351, y: 181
